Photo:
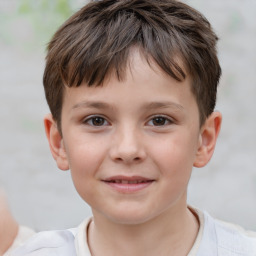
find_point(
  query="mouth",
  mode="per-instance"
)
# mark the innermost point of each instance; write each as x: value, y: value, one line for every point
x: 125, y: 184
x: 128, y: 181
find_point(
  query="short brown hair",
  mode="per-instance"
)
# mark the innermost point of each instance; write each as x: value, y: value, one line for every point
x: 96, y: 41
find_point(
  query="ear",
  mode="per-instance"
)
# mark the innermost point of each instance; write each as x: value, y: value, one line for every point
x: 208, y: 138
x: 56, y: 143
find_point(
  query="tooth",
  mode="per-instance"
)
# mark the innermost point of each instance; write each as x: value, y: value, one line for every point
x: 128, y: 181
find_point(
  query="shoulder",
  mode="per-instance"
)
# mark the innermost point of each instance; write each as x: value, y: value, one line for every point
x: 232, y: 239
x: 235, y: 238
x: 60, y: 242
x: 56, y: 243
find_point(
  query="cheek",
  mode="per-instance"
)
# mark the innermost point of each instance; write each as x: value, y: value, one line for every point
x: 84, y: 160
x: 175, y: 154
x: 84, y: 152
x: 174, y: 162
x: 84, y: 166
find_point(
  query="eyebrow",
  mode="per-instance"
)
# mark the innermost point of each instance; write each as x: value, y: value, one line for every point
x: 92, y: 104
x: 148, y: 106
x: 165, y: 104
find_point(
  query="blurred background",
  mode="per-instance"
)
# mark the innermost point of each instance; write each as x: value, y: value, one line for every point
x: 43, y: 197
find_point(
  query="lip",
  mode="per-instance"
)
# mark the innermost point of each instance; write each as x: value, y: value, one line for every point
x: 128, y: 184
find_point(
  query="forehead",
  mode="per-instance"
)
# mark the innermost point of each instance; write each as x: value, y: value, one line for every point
x: 139, y: 63
x: 144, y: 83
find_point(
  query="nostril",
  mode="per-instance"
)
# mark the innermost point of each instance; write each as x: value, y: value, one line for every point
x: 127, y: 153
x: 135, y: 159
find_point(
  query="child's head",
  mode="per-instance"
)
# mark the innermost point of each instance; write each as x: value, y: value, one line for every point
x: 97, y: 41
x: 131, y: 86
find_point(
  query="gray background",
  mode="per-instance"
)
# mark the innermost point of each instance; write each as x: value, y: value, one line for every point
x: 43, y: 197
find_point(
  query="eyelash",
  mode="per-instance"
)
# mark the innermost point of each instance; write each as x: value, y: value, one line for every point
x: 167, y: 121
x: 90, y: 121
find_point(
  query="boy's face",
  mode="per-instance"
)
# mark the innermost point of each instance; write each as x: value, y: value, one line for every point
x: 131, y: 145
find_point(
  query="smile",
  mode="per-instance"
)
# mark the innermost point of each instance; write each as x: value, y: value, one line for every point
x: 128, y: 181
x: 128, y: 184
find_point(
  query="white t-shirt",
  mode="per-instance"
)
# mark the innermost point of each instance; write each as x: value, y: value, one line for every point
x: 215, y: 238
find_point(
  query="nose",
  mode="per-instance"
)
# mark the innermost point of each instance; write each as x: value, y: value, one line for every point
x: 127, y: 147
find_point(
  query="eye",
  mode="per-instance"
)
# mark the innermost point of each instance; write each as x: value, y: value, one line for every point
x: 96, y: 121
x: 159, y: 121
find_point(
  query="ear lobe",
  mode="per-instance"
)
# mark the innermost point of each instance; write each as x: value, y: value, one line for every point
x: 208, y: 138
x: 56, y: 142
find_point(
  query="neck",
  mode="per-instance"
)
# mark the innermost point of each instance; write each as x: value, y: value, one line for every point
x: 172, y: 233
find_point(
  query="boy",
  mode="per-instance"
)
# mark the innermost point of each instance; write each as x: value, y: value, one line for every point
x: 131, y: 86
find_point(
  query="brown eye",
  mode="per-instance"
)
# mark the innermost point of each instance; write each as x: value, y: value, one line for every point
x: 96, y: 121
x: 158, y: 121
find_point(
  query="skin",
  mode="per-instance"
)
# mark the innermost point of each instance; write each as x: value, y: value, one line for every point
x: 148, y: 126
x: 8, y: 225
